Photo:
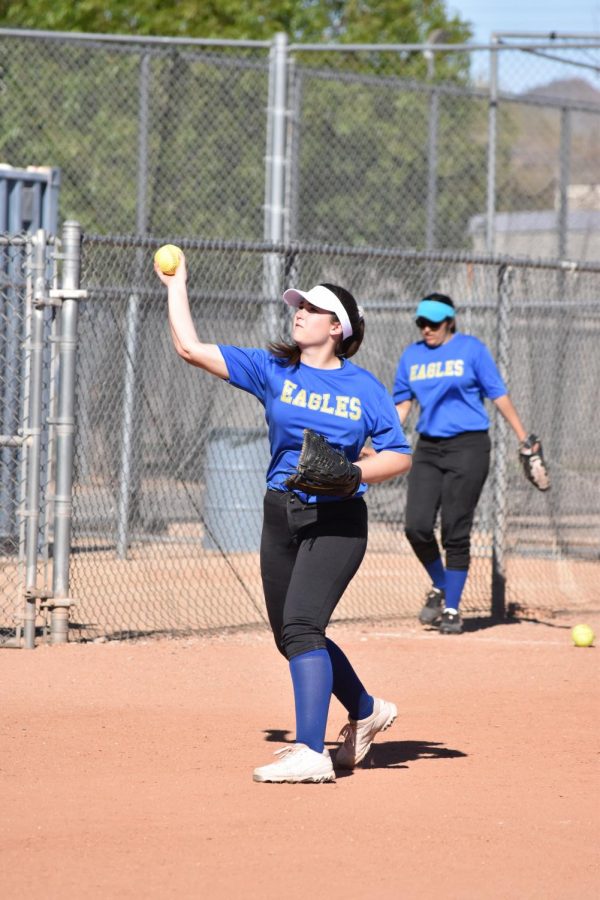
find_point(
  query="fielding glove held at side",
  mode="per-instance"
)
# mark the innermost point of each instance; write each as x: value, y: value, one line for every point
x: 533, y: 463
x: 323, y: 470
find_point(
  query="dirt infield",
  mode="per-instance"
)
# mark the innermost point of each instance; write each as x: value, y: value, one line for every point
x: 125, y: 770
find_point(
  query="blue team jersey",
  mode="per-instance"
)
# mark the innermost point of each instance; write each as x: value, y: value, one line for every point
x: 450, y: 383
x: 345, y: 405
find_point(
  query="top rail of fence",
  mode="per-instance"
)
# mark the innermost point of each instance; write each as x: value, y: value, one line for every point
x: 546, y: 41
x: 557, y: 265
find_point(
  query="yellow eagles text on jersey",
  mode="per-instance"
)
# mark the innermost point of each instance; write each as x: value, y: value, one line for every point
x: 439, y: 369
x: 339, y: 405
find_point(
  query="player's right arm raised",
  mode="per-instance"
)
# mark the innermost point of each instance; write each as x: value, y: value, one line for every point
x: 183, y: 331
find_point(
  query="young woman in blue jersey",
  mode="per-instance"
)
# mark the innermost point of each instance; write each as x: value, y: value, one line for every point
x: 449, y: 374
x: 311, y: 547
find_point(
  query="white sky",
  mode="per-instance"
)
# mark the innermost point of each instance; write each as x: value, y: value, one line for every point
x: 563, y: 16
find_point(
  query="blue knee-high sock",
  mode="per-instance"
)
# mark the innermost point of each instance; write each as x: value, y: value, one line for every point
x: 437, y: 573
x: 312, y: 678
x: 347, y: 686
x: 455, y: 582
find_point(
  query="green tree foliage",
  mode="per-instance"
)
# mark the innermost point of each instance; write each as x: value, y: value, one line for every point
x: 361, y: 171
x: 349, y: 21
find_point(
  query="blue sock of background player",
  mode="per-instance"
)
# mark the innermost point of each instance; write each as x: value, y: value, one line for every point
x: 315, y: 675
x: 437, y: 573
x: 455, y: 582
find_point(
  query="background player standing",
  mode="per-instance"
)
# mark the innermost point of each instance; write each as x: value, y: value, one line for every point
x: 311, y: 547
x: 450, y: 374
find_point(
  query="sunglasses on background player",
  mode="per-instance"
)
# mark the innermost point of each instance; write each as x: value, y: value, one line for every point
x: 426, y: 323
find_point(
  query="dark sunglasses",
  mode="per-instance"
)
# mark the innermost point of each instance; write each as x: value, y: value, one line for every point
x: 425, y: 323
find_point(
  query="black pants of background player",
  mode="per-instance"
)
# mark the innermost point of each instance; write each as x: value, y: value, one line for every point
x: 309, y: 553
x: 447, y: 476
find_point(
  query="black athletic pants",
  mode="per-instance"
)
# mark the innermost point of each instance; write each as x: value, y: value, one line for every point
x: 447, y: 474
x: 309, y: 553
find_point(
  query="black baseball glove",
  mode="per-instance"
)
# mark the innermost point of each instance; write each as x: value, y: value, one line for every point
x: 323, y: 470
x: 533, y: 462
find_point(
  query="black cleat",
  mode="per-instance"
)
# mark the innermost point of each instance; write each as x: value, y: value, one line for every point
x: 451, y: 623
x: 433, y: 608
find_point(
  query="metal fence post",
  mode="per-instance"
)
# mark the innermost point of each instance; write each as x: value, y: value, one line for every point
x: 292, y: 146
x: 500, y: 456
x: 275, y: 176
x: 70, y: 294
x: 128, y: 507
x: 490, y: 233
x: 10, y: 393
x: 129, y: 480
x: 432, y: 166
x: 33, y: 435
x: 563, y: 184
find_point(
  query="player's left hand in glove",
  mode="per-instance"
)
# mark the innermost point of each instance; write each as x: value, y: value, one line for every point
x: 323, y: 470
x: 532, y: 460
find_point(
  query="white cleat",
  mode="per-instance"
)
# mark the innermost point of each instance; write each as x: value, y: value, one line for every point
x: 358, y: 734
x: 297, y: 764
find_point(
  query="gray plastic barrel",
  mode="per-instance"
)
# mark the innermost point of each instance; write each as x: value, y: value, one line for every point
x: 235, y: 469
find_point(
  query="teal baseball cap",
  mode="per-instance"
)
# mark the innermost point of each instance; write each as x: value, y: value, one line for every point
x: 435, y: 309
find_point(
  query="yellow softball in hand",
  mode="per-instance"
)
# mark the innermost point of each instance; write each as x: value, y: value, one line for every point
x: 167, y: 258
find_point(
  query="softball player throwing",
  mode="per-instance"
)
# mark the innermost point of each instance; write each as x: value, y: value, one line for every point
x: 449, y: 374
x: 312, y: 545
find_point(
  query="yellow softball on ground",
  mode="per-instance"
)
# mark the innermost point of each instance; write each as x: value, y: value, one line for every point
x: 582, y: 635
x: 167, y: 258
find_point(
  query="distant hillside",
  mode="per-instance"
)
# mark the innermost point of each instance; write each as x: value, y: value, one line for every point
x: 575, y: 90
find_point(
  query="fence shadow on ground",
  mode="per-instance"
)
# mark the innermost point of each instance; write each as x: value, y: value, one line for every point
x: 480, y: 623
x: 477, y: 623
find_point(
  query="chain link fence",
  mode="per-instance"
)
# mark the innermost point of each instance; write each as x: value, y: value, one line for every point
x: 489, y: 149
x: 276, y: 163
x: 170, y: 461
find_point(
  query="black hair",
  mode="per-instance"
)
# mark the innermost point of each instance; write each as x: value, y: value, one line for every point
x: 346, y: 348
x: 448, y: 301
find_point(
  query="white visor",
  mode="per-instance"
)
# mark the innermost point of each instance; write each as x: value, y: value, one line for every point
x: 322, y: 298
